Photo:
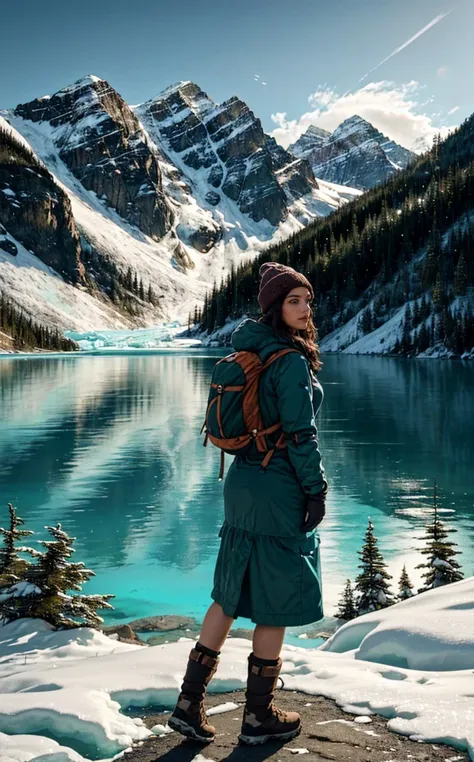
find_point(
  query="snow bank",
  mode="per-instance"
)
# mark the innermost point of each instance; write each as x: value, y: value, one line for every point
x: 431, y: 631
x: 72, y: 685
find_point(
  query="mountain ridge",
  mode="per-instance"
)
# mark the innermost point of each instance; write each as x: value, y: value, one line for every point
x: 176, y: 209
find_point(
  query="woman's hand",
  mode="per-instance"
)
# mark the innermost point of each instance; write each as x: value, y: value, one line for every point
x: 315, y: 510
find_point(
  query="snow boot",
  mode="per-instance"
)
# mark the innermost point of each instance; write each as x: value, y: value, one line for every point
x: 189, y: 717
x: 262, y: 720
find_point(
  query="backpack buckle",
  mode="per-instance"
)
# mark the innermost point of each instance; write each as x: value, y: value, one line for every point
x: 219, y: 389
x: 254, y: 433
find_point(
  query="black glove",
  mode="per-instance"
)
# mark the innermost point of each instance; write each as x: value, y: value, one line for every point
x: 315, y: 509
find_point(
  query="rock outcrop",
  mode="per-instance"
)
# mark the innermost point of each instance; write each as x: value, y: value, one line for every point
x: 35, y: 210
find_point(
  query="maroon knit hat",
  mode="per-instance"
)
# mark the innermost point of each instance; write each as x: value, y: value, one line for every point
x: 276, y: 280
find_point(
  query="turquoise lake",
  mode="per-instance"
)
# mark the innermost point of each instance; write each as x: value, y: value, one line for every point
x: 109, y: 446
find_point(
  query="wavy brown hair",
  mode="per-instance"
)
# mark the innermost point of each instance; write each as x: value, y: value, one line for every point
x: 305, y: 341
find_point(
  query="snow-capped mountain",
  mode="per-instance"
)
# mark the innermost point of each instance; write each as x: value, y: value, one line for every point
x: 101, y: 141
x: 161, y: 199
x: 355, y: 154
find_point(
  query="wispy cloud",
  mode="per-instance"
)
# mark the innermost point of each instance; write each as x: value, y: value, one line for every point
x: 453, y: 110
x: 441, y: 71
x: 412, y: 39
x: 256, y: 76
x: 393, y: 109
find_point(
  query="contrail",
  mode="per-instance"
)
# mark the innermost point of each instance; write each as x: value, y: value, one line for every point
x: 408, y: 42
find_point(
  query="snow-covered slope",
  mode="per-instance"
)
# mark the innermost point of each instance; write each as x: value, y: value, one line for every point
x: 355, y: 154
x: 63, y: 692
x: 178, y: 191
x: 46, y: 297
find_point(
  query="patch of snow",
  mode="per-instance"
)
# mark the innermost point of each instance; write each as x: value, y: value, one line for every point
x: 299, y: 751
x: 229, y: 706
x: 20, y: 590
x: 161, y: 730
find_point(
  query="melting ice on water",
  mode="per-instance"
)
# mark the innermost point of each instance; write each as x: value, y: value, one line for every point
x: 160, y: 336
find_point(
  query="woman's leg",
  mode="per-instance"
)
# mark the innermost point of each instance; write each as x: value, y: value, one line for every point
x: 268, y: 641
x: 262, y: 720
x: 189, y: 717
x: 215, y: 628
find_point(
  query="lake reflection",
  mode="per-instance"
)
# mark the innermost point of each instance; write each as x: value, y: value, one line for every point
x: 110, y: 447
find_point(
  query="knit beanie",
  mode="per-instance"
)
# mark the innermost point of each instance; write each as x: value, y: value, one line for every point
x: 276, y: 280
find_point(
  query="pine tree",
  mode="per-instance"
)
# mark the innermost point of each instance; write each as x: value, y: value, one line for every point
x: 347, y: 609
x: 430, y: 267
x: 439, y: 295
x: 405, y: 586
x: 14, y: 589
x: 54, y: 575
x: 407, y: 328
x: 12, y: 567
x: 366, y: 320
x: 441, y: 566
x: 372, y: 584
x: 416, y: 313
x: 460, y: 276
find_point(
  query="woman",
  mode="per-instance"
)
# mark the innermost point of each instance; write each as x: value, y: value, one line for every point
x: 268, y: 566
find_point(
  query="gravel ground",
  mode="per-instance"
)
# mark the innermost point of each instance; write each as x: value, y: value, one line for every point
x: 328, y: 734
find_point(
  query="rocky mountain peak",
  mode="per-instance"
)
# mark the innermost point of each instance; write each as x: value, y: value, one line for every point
x: 101, y: 141
x: 222, y: 149
x: 313, y: 129
x: 176, y: 99
x: 354, y: 127
x: 355, y: 154
x: 314, y: 137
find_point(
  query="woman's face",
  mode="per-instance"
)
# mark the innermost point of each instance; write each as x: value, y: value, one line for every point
x: 296, y: 308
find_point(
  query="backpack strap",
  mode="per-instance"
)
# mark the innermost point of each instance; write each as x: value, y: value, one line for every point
x: 251, y: 409
x: 258, y: 431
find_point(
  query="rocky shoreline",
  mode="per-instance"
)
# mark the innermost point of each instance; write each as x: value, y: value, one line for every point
x: 171, y: 627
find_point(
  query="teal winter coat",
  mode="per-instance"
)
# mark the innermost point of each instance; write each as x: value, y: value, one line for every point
x: 267, y: 569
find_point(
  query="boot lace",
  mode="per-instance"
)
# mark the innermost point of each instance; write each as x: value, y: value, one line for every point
x: 280, y: 714
x: 202, y: 715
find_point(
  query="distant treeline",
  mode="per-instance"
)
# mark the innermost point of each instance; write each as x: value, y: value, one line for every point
x: 26, y: 334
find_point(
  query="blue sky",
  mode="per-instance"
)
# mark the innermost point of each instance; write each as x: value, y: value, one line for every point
x: 309, y: 52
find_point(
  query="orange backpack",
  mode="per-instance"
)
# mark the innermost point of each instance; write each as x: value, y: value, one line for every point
x: 233, y: 418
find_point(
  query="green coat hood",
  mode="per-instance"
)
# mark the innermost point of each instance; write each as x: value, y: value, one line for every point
x: 252, y: 336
